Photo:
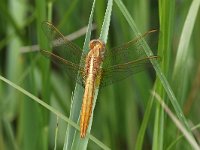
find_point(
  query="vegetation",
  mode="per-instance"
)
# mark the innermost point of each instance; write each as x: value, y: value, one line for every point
x: 154, y: 109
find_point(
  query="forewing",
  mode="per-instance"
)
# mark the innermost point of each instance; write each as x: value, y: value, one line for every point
x: 63, y: 47
x: 130, y: 51
x: 125, y: 60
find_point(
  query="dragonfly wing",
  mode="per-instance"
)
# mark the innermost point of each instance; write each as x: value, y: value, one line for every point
x: 64, y: 48
x: 130, y: 51
x: 119, y: 72
x: 125, y: 60
x: 74, y: 71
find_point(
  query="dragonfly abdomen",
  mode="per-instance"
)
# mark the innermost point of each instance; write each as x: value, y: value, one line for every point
x: 86, y: 110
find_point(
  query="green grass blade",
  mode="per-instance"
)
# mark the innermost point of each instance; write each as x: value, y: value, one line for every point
x: 78, y: 142
x: 78, y: 92
x: 9, y: 133
x: 160, y: 74
x: 13, y: 63
x: 186, y: 36
x: 166, y: 21
x: 39, y: 101
x: 141, y: 134
x: 106, y: 22
x: 43, y: 12
x: 73, y: 6
x: 184, y: 51
x: 50, y: 108
x: 56, y: 135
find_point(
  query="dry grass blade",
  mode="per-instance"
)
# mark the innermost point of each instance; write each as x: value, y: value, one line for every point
x: 179, y: 125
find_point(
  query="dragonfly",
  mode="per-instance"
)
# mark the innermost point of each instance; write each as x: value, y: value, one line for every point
x: 97, y: 68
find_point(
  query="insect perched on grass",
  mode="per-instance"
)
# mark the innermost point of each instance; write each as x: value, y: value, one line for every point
x: 98, y: 68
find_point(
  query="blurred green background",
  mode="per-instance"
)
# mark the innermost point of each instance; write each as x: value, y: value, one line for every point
x: 120, y: 109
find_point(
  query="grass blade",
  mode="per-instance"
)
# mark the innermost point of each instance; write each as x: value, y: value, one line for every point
x: 183, y: 48
x: 78, y: 93
x: 166, y: 21
x: 179, y: 125
x: 160, y: 74
x: 79, y: 143
x: 181, y: 136
x: 141, y: 134
x: 106, y: 22
x: 50, y: 108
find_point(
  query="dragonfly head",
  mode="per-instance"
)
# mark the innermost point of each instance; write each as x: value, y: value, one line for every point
x: 97, y: 43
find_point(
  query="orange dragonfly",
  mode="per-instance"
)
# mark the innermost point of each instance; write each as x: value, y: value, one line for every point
x: 97, y: 68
